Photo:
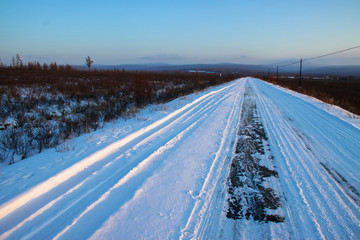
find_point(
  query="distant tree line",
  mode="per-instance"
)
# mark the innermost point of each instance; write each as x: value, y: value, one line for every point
x: 17, y: 63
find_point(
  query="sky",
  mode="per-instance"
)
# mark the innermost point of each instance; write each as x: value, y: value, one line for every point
x: 179, y: 32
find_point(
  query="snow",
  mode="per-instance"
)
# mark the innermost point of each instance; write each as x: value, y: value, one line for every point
x: 304, y: 139
x: 10, y: 122
x: 332, y: 109
x: 164, y: 174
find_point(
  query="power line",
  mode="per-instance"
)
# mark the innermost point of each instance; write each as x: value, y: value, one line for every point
x: 333, y: 53
x: 320, y: 56
x: 308, y: 59
x: 289, y: 64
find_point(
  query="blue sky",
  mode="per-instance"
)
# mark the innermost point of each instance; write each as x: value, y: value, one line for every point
x: 179, y: 32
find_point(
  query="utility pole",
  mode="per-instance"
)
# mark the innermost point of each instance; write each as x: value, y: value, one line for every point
x: 277, y: 73
x: 300, y: 73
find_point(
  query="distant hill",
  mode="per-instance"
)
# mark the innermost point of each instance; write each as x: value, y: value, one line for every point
x: 220, y: 68
x: 133, y: 67
x: 234, y: 68
x: 335, y: 70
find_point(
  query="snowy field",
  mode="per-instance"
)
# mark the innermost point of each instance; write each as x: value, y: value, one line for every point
x: 244, y: 160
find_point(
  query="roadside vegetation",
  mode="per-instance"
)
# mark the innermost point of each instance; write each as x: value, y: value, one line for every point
x: 45, y: 106
x: 341, y: 91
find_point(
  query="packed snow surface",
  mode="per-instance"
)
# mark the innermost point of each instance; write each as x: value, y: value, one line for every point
x: 199, y: 167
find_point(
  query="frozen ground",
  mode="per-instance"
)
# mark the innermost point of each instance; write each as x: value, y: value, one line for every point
x: 245, y: 160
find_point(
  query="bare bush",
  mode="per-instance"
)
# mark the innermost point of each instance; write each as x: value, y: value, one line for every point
x: 45, y: 106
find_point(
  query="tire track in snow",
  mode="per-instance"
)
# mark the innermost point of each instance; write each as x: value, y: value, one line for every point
x: 254, y: 209
x: 322, y: 202
x: 139, y: 173
x: 344, y: 193
x: 208, y: 217
x: 330, y: 153
x: 66, y: 174
x: 345, y: 156
x: 343, y: 183
x: 278, y: 128
x: 197, y: 110
x: 209, y: 203
x: 143, y: 166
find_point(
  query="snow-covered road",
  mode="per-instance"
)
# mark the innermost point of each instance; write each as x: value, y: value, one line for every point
x: 202, y: 171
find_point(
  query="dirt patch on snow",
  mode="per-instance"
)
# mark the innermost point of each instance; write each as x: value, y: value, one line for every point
x: 248, y: 197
